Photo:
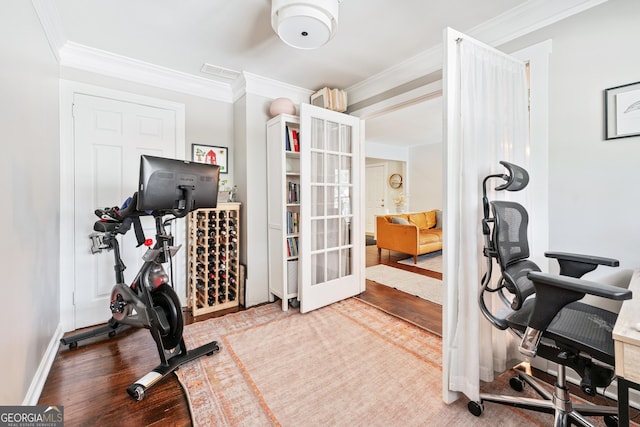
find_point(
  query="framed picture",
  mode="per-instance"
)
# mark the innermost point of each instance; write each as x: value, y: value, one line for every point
x: 210, y: 154
x: 622, y: 111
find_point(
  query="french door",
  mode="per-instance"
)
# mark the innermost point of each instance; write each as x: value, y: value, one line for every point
x: 332, y: 229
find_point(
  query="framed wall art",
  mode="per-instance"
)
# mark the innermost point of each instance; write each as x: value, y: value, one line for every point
x: 622, y: 111
x: 210, y: 154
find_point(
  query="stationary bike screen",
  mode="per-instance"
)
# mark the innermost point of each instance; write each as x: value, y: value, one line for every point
x: 168, y: 184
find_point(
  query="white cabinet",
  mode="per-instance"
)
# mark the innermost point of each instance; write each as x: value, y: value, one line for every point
x: 315, y: 207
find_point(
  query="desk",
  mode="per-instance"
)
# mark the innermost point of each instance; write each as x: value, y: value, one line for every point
x: 627, y: 347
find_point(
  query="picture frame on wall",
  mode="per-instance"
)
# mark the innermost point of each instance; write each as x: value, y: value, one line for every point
x: 211, y: 154
x: 622, y: 111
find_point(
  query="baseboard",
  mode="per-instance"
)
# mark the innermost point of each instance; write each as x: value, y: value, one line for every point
x: 37, y: 383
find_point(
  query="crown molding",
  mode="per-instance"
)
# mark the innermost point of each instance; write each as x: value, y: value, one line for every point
x: 527, y: 18
x: 86, y: 58
x: 51, y: 24
x: 524, y: 19
x: 269, y: 88
x: 415, y: 67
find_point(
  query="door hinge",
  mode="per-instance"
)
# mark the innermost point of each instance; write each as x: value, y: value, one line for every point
x: 73, y: 110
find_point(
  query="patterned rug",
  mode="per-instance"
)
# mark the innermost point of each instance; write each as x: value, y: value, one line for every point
x: 431, y: 261
x: 421, y: 286
x: 348, y: 364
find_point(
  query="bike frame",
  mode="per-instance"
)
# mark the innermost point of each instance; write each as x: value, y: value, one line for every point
x: 138, y: 297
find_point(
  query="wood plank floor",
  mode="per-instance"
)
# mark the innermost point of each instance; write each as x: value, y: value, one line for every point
x: 425, y: 314
x: 91, y: 381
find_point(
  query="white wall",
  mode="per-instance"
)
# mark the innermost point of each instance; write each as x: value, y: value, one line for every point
x: 421, y: 170
x: 425, y: 177
x: 29, y: 174
x: 593, y: 196
x: 251, y: 115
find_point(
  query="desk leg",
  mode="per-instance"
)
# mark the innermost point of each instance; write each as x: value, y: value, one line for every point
x: 623, y: 402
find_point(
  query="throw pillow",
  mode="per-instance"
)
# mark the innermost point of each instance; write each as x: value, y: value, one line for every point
x: 419, y: 220
x: 399, y: 220
x: 431, y: 218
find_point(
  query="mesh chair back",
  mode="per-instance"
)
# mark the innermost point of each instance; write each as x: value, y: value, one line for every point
x: 510, y: 232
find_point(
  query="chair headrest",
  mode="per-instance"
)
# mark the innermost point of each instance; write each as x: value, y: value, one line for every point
x: 516, y: 179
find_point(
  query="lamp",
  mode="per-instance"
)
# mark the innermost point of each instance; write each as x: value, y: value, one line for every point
x: 305, y: 24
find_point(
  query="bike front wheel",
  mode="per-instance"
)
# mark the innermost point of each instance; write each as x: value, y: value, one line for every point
x: 166, y: 299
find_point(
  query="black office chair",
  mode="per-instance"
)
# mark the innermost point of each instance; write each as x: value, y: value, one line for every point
x: 545, y: 312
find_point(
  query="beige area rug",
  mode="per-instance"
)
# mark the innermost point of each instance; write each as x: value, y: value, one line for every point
x: 431, y: 261
x: 348, y: 364
x: 424, y: 287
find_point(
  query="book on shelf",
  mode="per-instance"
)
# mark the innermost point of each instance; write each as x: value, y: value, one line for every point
x: 287, y: 142
x: 292, y: 139
x: 332, y: 99
x: 292, y: 246
x: 293, y: 190
x: 296, y: 141
x: 292, y: 222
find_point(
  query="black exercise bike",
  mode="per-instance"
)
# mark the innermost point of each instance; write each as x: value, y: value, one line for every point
x: 150, y: 301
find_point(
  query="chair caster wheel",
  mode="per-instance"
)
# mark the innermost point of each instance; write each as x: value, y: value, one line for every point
x: 73, y: 345
x: 137, y: 392
x: 589, y: 390
x: 475, y: 408
x: 611, y: 421
x: 112, y: 334
x: 516, y: 384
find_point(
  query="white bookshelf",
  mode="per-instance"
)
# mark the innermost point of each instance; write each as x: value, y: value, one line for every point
x: 283, y: 192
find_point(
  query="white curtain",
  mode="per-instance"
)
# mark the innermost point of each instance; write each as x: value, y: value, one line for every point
x: 488, y: 122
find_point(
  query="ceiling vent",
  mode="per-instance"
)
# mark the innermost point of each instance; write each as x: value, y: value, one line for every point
x: 220, y: 72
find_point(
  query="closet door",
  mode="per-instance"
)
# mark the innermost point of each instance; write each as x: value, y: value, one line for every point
x: 332, y: 226
x: 109, y: 137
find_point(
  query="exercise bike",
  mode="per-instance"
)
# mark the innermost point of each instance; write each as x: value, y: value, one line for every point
x: 150, y: 301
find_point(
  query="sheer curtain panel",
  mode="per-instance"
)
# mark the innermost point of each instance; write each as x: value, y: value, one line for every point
x: 486, y: 120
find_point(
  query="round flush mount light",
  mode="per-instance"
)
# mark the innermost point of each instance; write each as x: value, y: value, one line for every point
x: 305, y: 24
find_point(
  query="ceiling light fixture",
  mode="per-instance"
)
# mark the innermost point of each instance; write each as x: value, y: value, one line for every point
x: 305, y: 24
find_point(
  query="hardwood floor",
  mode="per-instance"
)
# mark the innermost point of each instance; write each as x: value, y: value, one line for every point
x: 91, y: 380
x: 425, y: 314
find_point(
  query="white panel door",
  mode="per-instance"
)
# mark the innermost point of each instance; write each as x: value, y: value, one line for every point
x: 109, y: 137
x: 375, y: 191
x: 332, y: 231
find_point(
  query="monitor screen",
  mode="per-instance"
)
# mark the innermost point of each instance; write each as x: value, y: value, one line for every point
x: 167, y: 184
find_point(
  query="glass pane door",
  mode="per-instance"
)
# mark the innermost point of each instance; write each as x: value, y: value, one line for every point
x: 332, y: 212
x: 332, y: 206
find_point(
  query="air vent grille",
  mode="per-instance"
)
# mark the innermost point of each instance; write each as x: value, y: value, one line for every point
x: 220, y: 72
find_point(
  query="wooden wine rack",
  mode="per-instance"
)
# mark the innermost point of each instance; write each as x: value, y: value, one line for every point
x: 214, y: 279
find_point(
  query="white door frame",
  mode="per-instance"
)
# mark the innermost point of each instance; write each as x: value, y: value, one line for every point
x: 67, y: 259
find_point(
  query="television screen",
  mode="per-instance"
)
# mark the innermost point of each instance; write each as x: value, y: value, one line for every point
x: 171, y: 184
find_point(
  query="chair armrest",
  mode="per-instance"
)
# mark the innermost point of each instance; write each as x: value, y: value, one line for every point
x: 553, y: 292
x: 577, y: 265
x: 398, y: 237
x: 580, y: 286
